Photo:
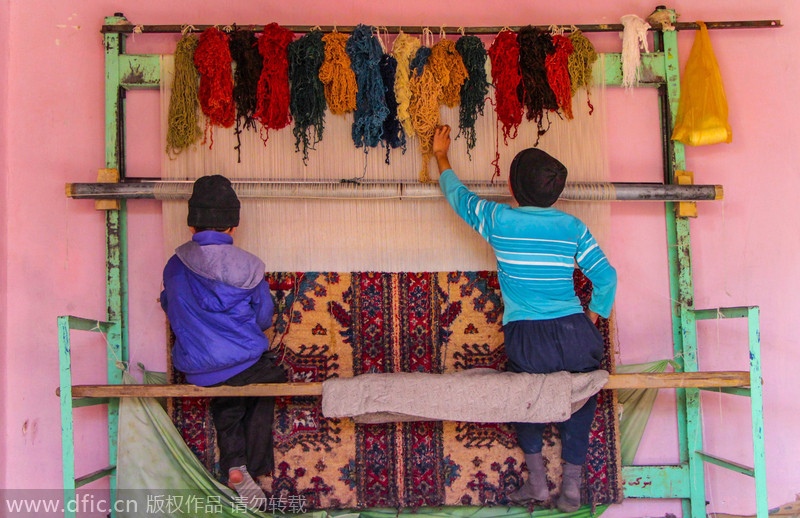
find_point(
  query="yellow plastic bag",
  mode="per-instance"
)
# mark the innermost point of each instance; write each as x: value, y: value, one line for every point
x: 703, y: 108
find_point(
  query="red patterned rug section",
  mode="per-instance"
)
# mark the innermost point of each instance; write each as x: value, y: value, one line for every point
x: 342, y: 324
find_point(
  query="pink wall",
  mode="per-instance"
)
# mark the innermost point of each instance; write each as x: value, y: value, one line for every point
x: 743, y: 249
x: 4, y: 39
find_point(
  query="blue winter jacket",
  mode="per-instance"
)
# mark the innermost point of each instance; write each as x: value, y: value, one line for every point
x: 218, y: 305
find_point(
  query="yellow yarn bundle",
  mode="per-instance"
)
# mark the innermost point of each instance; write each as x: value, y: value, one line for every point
x: 581, y: 61
x: 403, y: 49
x: 337, y: 76
x: 182, y: 127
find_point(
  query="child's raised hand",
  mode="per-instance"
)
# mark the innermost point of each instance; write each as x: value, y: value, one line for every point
x: 441, y: 140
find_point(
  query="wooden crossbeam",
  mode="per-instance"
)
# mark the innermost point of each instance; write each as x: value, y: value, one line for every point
x: 615, y: 381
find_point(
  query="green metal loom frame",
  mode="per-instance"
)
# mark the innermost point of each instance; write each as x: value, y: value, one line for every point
x: 684, y: 480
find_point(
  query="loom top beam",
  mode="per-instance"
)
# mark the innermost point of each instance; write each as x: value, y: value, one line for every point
x: 418, y: 29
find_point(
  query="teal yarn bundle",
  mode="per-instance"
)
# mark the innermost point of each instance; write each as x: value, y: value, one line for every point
x: 365, y: 54
x: 306, y: 91
x: 474, y: 89
x: 419, y: 61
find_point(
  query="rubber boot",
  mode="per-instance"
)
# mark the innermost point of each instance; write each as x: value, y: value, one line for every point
x: 535, y: 488
x: 570, y: 498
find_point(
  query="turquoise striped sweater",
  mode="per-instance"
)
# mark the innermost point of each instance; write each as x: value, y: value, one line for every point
x: 537, y: 250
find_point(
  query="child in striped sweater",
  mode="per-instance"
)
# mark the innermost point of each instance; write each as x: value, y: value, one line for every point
x: 544, y: 325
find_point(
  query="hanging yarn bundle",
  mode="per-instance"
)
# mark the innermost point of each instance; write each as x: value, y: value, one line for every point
x: 337, y: 76
x: 449, y: 71
x: 404, y: 49
x: 393, y: 134
x: 273, y: 86
x: 244, y: 51
x: 213, y: 61
x: 474, y: 89
x: 182, y: 127
x: 365, y: 54
x: 507, y: 80
x: 580, y: 64
x: 558, y: 73
x: 534, y: 46
x: 634, y: 38
x: 307, y: 94
x: 424, y: 106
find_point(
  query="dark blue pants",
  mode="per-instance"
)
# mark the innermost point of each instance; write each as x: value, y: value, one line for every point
x: 571, y: 344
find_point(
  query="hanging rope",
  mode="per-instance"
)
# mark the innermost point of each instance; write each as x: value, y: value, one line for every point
x: 213, y: 61
x: 534, y: 46
x: 307, y: 94
x: 507, y: 80
x: 404, y: 49
x: 580, y: 64
x: 558, y: 73
x: 474, y: 89
x: 365, y: 54
x: 244, y: 51
x: 337, y: 76
x: 449, y: 71
x: 634, y: 38
x: 424, y: 106
x: 393, y: 134
x: 273, y: 87
x: 182, y: 129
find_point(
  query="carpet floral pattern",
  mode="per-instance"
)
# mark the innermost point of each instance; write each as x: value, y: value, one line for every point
x: 343, y: 324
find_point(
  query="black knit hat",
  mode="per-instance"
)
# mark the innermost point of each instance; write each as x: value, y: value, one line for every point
x: 213, y: 203
x: 536, y: 178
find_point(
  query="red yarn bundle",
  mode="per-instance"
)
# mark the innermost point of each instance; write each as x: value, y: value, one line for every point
x: 213, y: 61
x: 557, y: 65
x: 272, y: 108
x: 504, y: 53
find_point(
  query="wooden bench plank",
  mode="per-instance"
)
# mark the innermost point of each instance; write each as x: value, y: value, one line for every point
x: 615, y: 381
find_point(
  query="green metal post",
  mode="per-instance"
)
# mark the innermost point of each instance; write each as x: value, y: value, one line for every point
x: 67, y: 433
x: 116, y: 234
x: 681, y: 284
x: 757, y: 411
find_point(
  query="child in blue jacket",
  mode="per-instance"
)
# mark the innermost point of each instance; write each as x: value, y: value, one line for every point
x: 219, y: 305
x: 544, y: 325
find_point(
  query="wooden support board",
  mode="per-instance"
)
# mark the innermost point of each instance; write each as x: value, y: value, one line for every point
x: 615, y: 381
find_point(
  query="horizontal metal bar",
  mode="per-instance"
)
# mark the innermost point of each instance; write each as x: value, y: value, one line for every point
x: 139, y: 71
x: 89, y: 401
x: 615, y: 381
x: 736, y: 391
x: 670, y: 481
x: 390, y: 189
x: 85, y: 324
x: 418, y: 29
x: 91, y: 477
x: 715, y: 313
x: 652, y: 71
x: 728, y: 464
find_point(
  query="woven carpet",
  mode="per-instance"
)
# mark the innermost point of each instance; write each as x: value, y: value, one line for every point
x: 343, y: 324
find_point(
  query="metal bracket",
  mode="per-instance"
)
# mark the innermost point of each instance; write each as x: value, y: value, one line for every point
x: 107, y: 176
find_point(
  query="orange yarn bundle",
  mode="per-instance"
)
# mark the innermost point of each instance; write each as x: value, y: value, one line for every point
x: 557, y: 65
x: 272, y: 108
x: 424, y: 110
x: 213, y: 61
x: 337, y: 76
x: 449, y: 70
